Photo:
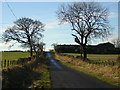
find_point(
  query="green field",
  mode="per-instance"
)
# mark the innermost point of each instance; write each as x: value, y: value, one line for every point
x: 14, y: 55
x: 97, y: 57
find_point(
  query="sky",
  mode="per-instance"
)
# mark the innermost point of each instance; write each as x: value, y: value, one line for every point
x: 46, y: 13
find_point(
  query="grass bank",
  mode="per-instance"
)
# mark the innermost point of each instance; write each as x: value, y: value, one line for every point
x: 33, y: 74
x: 109, y: 74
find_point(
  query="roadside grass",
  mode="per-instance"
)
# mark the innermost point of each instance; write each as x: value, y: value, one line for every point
x: 33, y: 74
x: 109, y: 74
x: 104, y: 59
x: 43, y: 81
x: 97, y: 57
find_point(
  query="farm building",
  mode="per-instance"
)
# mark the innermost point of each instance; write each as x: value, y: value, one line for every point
x: 102, y: 48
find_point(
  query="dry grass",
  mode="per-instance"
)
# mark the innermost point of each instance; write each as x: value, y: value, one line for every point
x: 110, y: 72
x: 33, y: 74
x: 108, y: 59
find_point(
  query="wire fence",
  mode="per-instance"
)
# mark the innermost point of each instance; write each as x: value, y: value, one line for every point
x: 98, y: 62
x: 6, y: 63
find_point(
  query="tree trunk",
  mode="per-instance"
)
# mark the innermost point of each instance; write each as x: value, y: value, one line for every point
x: 81, y: 54
x: 30, y: 43
x: 84, y: 52
x: 31, y: 51
x: 81, y: 50
x: 34, y: 49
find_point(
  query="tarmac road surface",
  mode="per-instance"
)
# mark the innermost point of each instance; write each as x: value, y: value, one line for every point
x: 64, y: 77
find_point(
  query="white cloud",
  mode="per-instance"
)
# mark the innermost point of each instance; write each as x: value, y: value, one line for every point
x: 5, y: 44
x: 52, y: 25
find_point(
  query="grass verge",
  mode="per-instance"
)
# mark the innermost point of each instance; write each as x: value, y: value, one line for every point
x: 33, y: 74
x: 104, y: 73
x: 43, y: 81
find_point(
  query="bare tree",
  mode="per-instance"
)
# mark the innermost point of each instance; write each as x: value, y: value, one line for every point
x: 87, y: 19
x: 24, y: 31
x: 54, y: 45
x: 38, y: 47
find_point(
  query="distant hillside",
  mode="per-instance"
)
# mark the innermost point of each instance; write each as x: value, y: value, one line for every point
x: 14, y: 51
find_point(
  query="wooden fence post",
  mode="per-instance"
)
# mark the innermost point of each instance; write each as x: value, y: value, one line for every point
x: 12, y: 62
x: 1, y: 64
x: 5, y: 63
x: 8, y: 61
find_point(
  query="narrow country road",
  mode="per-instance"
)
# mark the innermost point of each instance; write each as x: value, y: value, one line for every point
x: 64, y: 77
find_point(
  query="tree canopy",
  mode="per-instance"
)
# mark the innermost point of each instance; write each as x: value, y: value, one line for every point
x: 24, y: 31
x: 88, y: 20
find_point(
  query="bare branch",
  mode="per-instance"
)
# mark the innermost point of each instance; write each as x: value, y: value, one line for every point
x: 88, y: 20
x: 24, y: 31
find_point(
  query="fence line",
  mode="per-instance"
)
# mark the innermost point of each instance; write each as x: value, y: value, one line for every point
x: 106, y: 62
x: 6, y: 63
